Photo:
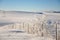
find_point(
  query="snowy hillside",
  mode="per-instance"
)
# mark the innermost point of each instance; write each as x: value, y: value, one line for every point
x: 34, y: 23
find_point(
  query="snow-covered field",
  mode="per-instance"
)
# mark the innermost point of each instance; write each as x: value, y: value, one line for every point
x: 35, y: 26
x: 20, y: 35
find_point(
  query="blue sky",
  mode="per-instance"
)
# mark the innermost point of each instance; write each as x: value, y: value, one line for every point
x: 30, y: 5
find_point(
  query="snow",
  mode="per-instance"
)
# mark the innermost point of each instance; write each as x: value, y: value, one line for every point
x: 17, y: 26
x: 7, y: 35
